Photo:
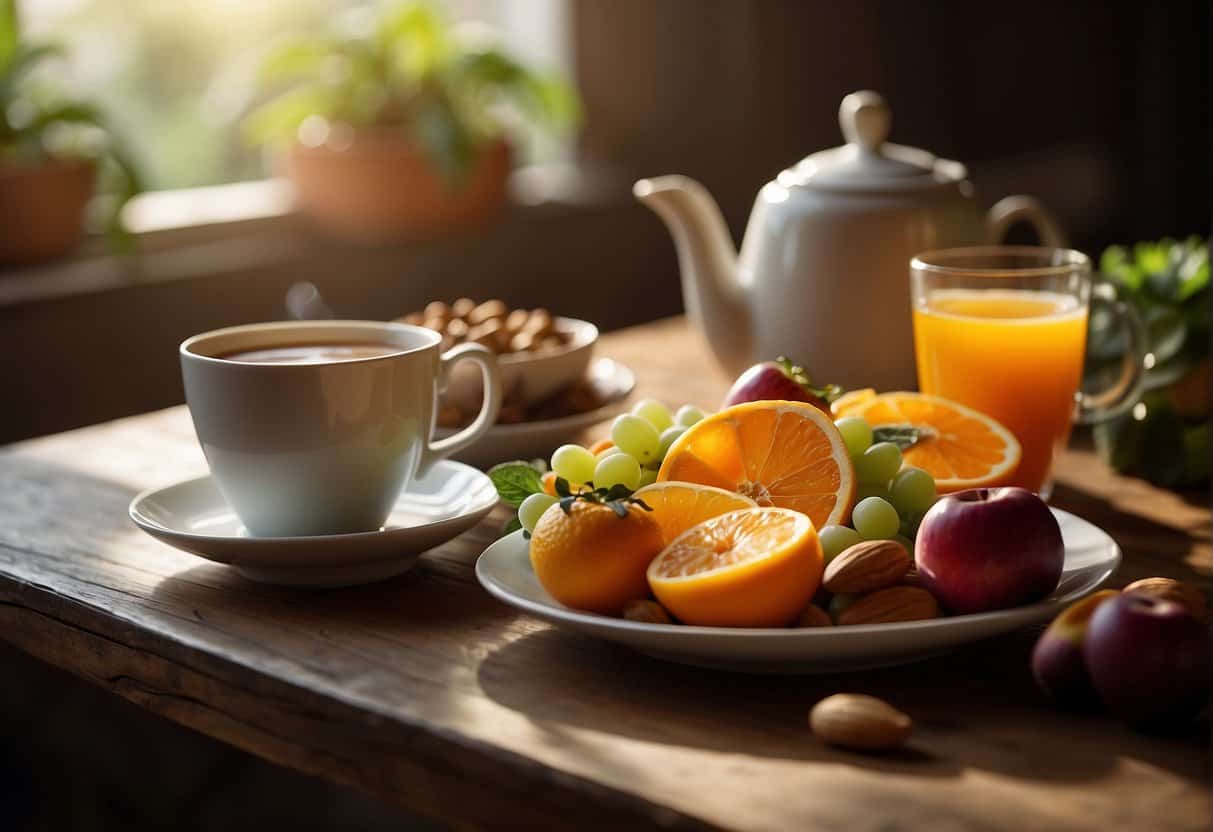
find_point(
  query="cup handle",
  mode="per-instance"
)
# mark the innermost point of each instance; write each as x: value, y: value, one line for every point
x: 1127, y: 390
x: 1010, y: 210
x: 489, y: 408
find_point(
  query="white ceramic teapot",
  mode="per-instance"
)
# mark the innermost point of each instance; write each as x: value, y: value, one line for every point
x: 823, y: 275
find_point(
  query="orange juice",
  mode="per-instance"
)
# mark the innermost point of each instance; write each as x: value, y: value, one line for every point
x: 1015, y: 355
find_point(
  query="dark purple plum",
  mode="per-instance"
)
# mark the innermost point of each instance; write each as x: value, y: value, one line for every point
x: 1149, y: 660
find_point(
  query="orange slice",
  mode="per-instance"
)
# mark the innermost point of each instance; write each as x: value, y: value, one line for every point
x: 677, y: 506
x: 850, y: 399
x: 757, y: 567
x: 961, y: 448
x: 786, y: 454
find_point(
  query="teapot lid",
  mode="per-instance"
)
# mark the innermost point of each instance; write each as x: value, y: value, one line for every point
x: 867, y: 162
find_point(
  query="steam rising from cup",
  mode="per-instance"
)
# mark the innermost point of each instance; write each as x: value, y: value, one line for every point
x: 304, y: 303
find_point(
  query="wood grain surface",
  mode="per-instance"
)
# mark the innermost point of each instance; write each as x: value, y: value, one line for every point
x: 425, y: 691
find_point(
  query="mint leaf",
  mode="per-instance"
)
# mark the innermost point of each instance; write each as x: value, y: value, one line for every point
x: 903, y: 436
x: 515, y: 481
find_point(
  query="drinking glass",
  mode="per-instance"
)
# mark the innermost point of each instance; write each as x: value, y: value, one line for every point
x: 1003, y: 329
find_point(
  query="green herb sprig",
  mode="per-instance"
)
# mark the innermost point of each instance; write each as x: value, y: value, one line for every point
x: 617, y: 498
x: 515, y: 481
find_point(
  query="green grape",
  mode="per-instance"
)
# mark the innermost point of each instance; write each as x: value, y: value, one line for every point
x: 605, y: 452
x: 647, y: 477
x: 617, y: 469
x: 856, y: 434
x: 906, y: 543
x: 879, y: 463
x: 836, y: 539
x: 909, y: 525
x: 532, y: 509
x: 912, y: 490
x: 574, y: 463
x: 636, y: 437
x: 875, y: 519
x: 688, y: 415
x: 668, y: 437
x: 871, y: 489
x: 653, y: 412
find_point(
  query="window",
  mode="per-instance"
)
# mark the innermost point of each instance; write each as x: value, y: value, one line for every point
x: 176, y: 77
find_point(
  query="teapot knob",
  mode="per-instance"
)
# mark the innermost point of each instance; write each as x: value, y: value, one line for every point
x: 864, y: 117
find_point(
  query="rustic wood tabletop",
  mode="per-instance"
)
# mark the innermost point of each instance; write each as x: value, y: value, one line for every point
x: 427, y: 692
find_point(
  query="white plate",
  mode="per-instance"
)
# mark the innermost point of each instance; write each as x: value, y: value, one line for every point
x: 194, y: 516
x: 529, y: 440
x: 1091, y: 557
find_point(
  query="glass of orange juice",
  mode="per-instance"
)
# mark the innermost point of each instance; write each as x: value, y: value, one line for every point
x: 1003, y: 329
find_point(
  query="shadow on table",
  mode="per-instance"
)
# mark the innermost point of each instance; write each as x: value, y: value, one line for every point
x: 1150, y: 548
x: 974, y: 709
x: 422, y: 600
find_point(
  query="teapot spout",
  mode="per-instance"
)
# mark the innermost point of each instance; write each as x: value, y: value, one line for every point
x: 715, y: 300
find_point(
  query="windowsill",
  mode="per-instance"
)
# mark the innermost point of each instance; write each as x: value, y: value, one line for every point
x: 568, y: 240
x: 203, y: 232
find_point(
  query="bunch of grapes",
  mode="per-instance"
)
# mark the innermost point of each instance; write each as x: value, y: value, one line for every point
x: 891, y: 498
x: 639, y: 442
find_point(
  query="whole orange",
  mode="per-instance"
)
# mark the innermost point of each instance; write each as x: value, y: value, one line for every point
x: 592, y: 559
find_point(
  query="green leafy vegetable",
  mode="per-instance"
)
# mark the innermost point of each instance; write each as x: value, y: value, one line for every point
x: 515, y: 481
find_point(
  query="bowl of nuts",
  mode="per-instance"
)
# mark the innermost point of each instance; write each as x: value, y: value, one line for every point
x: 539, y: 354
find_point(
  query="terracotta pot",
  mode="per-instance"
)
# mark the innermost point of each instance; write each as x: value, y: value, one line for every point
x: 43, y: 208
x: 383, y: 186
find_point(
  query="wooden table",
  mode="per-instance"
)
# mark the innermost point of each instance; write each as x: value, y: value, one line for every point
x: 427, y: 692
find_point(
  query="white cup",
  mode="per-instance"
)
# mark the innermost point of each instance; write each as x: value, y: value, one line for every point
x: 326, y: 448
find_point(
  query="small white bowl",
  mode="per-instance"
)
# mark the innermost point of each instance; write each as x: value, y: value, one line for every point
x: 537, y: 374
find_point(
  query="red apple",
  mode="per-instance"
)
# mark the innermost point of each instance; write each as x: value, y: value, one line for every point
x: 779, y: 380
x: 1057, y: 661
x: 989, y: 549
x: 1149, y: 660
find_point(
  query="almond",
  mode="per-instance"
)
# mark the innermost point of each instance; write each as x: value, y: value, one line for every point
x: 1173, y: 590
x: 853, y: 720
x: 814, y: 616
x: 897, y: 603
x: 867, y: 567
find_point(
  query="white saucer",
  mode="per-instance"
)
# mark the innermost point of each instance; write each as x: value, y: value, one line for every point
x: 528, y: 440
x: 194, y: 516
x: 1091, y: 557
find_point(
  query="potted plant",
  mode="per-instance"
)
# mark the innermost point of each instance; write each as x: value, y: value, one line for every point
x: 398, y: 124
x: 52, y: 152
x: 1166, y: 437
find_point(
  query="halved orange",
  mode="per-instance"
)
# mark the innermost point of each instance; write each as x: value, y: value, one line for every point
x: 677, y: 506
x: 960, y: 447
x: 850, y: 399
x: 786, y: 454
x: 757, y: 567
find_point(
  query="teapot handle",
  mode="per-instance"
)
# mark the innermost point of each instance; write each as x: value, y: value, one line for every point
x: 1010, y: 210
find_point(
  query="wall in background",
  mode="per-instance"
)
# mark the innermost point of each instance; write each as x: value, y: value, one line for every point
x: 106, y: 345
x: 1100, y: 109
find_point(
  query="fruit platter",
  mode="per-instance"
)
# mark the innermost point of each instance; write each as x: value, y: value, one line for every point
x: 799, y: 528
